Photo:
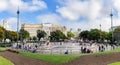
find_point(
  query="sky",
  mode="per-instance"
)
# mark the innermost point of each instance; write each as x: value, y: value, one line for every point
x: 83, y: 14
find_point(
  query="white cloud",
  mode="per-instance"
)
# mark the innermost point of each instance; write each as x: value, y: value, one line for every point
x: 73, y: 9
x: 3, y: 5
x: 49, y: 18
x: 96, y: 12
x: 12, y: 5
x: 116, y: 6
x: 90, y: 9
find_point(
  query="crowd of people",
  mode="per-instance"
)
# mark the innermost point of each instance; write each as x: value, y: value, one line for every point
x: 96, y: 47
x: 82, y: 47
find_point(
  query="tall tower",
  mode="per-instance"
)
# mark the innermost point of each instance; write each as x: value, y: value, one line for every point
x: 111, y: 15
x: 18, y: 12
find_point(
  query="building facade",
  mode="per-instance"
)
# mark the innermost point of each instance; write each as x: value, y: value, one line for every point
x: 116, y: 34
x: 32, y: 28
x: 5, y: 25
x: 114, y: 27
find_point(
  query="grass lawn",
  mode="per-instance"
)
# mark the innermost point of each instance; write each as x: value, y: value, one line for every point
x: 61, y: 58
x: 1, y: 50
x: 51, y: 58
x: 4, y: 61
x: 108, y: 52
x: 116, y: 63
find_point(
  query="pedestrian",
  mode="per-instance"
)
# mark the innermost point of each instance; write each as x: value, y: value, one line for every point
x: 81, y: 49
x: 88, y: 50
x: 84, y: 50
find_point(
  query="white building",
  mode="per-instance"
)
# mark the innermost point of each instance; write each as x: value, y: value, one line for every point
x: 32, y: 28
x: 5, y: 24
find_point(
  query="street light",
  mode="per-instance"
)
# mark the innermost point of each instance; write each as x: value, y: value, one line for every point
x: 18, y: 12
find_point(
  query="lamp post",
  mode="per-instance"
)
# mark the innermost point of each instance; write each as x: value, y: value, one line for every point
x: 18, y: 12
x: 111, y: 15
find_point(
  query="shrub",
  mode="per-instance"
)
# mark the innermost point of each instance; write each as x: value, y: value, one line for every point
x: 5, y: 45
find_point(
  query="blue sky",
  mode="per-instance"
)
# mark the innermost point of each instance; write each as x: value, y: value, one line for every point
x: 83, y: 14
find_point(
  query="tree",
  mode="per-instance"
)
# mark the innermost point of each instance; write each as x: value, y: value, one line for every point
x: 23, y: 34
x: 109, y: 36
x: 34, y: 38
x: 8, y: 36
x: 2, y: 35
x: 12, y: 35
x: 84, y: 35
x: 103, y: 35
x: 57, y: 35
x: 41, y: 34
x: 70, y: 34
x: 94, y: 34
x: 2, y: 28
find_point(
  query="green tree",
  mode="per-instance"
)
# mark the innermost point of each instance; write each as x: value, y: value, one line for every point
x: 34, y: 38
x: 94, y: 34
x: 2, y: 28
x: 84, y: 35
x: 103, y: 35
x: 2, y: 34
x: 109, y: 36
x: 8, y: 34
x: 57, y: 35
x: 23, y: 34
x: 41, y: 34
x: 70, y: 35
x: 12, y: 35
